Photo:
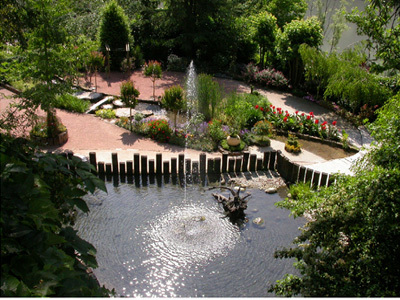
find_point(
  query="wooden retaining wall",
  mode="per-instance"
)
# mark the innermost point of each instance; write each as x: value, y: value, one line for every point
x: 141, y: 166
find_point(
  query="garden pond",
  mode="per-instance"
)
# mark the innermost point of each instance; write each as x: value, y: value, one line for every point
x: 170, y: 241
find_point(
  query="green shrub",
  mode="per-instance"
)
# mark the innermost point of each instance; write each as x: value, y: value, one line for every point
x: 262, y: 127
x: 215, y: 130
x: 209, y: 96
x: 259, y: 140
x: 159, y: 130
x: 71, y: 103
x: 106, y: 113
x: 292, y: 144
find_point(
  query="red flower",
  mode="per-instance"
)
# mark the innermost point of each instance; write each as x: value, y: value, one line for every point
x: 256, y: 107
x: 287, y: 114
x: 285, y: 119
x: 323, y: 127
x: 271, y: 105
x: 323, y: 124
x: 274, y: 112
x: 311, y: 113
x: 262, y: 109
x: 334, y: 123
x: 297, y: 112
x: 316, y: 121
x: 159, y: 129
x: 302, y: 114
x: 280, y: 112
x: 308, y: 117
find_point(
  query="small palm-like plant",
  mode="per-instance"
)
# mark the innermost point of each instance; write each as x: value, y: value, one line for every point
x: 174, y: 99
x: 153, y: 70
x: 129, y: 95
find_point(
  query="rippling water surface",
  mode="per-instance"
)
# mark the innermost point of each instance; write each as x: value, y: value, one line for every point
x: 152, y: 242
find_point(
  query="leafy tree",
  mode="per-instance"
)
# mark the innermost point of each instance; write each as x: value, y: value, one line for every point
x: 153, y: 70
x: 351, y: 246
x: 174, y: 99
x: 294, y: 34
x: 286, y: 11
x: 129, y: 95
x: 48, y: 58
x: 114, y: 31
x: 41, y: 253
x: 380, y: 23
x: 265, y: 32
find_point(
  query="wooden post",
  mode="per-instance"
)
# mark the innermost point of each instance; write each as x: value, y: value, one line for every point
x: 272, y: 158
x: 238, y: 164
x: 114, y: 159
x: 144, y: 164
x: 158, y: 163
x: 316, y: 178
x: 101, y: 168
x: 108, y: 171
x: 302, y: 174
x: 210, y: 166
x: 266, y: 160
x: 324, y: 179
x: 129, y: 168
x: 166, y: 167
x: 245, y: 165
x: 136, y: 167
x: 224, y: 163
x: 203, y: 163
x: 188, y: 166
x: 93, y: 160
x: 259, y: 165
x: 295, y: 173
x: 231, y: 165
x: 309, y: 174
x: 195, y: 170
x: 253, y: 159
x: 173, y: 165
x: 151, y: 167
x: 181, y: 163
x: 122, y: 170
x: 279, y: 164
x: 217, y: 165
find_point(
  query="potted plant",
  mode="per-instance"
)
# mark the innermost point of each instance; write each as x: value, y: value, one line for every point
x: 233, y: 138
x: 292, y: 144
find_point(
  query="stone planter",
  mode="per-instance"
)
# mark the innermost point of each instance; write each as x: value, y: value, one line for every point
x: 233, y: 140
x: 59, y: 140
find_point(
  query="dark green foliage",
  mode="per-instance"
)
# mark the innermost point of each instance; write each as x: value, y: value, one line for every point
x: 286, y: 11
x: 41, y: 254
x: 265, y: 30
x: 351, y: 247
x: 71, y: 103
x: 294, y: 34
x: 343, y: 78
x: 114, y: 31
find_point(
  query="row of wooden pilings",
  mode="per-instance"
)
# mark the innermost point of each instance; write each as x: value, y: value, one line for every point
x: 271, y: 160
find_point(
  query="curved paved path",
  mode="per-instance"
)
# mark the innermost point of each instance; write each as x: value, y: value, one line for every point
x: 88, y: 133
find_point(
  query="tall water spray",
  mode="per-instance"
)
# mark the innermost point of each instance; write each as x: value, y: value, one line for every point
x: 191, y: 89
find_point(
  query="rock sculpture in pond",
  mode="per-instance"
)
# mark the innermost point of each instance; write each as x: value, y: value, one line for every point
x: 234, y: 205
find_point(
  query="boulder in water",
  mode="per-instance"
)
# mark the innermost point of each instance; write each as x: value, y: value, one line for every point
x: 258, y: 221
x: 271, y: 190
